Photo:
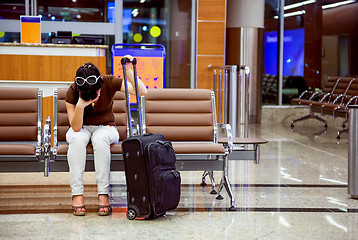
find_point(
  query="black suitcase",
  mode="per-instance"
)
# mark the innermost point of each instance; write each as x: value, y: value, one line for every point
x: 153, y: 184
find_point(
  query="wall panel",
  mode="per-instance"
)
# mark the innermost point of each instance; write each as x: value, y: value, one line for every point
x: 211, y: 38
x: 211, y: 27
x: 205, y: 76
x: 212, y: 10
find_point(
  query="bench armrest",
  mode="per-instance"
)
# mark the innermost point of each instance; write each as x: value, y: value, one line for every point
x: 306, y: 92
x: 324, y: 97
x: 47, y: 146
x: 228, y: 132
x: 314, y: 95
x: 47, y: 135
x: 350, y: 100
x: 345, y: 107
x: 337, y: 98
x: 39, y: 140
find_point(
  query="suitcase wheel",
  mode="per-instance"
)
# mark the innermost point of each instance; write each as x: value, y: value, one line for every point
x: 131, y: 213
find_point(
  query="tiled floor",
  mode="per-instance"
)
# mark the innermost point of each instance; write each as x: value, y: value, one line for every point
x: 298, y: 191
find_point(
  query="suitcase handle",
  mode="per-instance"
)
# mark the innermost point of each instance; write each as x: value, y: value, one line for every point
x: 129, y: 116
x: 165, y: 143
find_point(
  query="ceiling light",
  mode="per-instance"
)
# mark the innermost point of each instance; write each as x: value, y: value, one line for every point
x: 300, y: 4
x: 292, y: 14
x: 135, y: 12
x: 333, y: 5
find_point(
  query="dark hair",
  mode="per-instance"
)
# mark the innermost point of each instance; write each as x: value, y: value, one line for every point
x: 87, y: 91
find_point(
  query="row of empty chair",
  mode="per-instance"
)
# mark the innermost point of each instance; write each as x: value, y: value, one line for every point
x: 292, y: 87
x: 334, y: 100
x: 186, y: 117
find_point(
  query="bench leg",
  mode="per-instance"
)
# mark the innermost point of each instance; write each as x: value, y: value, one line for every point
x: 211, y: 176
x: 226, y: 183
x: 257, y: 153
x: 311, y: 115
x: 47, y: 165
x: 203, y: 183
x: 340, y: 132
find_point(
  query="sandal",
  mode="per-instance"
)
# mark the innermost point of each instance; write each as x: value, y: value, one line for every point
x: 104, y: 210
x: 77, y: 212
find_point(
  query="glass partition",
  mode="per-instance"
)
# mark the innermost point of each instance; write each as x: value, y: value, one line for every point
x: 165, y: 22
x: 12, y: 9
x: 320, y: 41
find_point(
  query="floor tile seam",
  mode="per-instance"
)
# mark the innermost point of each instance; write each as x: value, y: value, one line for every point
x: 195, y: 209
x: 34, y: 189
x: 291, y: 185
x: 186, y: 185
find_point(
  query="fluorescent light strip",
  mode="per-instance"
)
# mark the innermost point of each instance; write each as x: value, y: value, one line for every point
x: 300, y: 4
x: 333, y: 5
x: 292, y: 14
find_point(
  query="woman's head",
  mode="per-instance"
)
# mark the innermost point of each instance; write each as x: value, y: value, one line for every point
x: 88, y: 80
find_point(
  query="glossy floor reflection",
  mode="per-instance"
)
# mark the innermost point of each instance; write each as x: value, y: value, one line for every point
x: 298, y: 191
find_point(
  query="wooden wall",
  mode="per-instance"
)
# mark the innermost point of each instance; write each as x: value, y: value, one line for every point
x: 313, y: 45
x: 44, y: 68
x: 211, y: 27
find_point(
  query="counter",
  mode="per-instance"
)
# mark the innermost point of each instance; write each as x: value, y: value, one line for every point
x: 46, y: 66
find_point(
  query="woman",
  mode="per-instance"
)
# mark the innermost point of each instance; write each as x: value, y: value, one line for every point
x: 89, y: 104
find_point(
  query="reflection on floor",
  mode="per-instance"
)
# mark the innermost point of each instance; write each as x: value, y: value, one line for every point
x: 298, y: 191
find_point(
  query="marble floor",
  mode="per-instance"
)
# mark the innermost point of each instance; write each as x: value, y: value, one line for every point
x: 297, y: 191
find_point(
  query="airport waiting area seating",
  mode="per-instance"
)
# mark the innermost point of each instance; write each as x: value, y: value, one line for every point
x: 21, y: 129
x: 187, y: 117
x: 334, y: 100
x: 292, y: 87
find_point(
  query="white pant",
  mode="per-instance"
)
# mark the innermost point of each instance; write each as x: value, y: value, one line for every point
x: 101, y: 137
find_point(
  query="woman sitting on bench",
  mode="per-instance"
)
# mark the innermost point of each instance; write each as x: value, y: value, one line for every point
x: 89, y: 102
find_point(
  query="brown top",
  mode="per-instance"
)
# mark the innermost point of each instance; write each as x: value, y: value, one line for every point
x: 102, y: 112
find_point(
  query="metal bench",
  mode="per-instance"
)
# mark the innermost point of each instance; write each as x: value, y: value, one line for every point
x: 21, y: 142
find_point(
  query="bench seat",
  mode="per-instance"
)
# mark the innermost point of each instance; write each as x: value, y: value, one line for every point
x: 17, y: 149
x: 115, y: 149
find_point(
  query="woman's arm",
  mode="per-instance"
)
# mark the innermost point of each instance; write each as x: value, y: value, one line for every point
x: 142, y: 90
x: 75, y: 113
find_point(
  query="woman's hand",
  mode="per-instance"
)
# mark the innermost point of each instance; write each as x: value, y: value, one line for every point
x: 82, y: 103
x: 75, y: 112
x: 142, y: 90
x: 128, y: 64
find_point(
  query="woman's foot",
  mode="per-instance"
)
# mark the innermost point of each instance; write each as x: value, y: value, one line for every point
x: 104, y: 208
x: 78, y: 205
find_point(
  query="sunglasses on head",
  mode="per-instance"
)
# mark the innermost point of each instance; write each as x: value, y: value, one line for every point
x: 91, y: 80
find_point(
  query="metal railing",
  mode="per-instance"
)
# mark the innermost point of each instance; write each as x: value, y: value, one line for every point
x: 231, y: 88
